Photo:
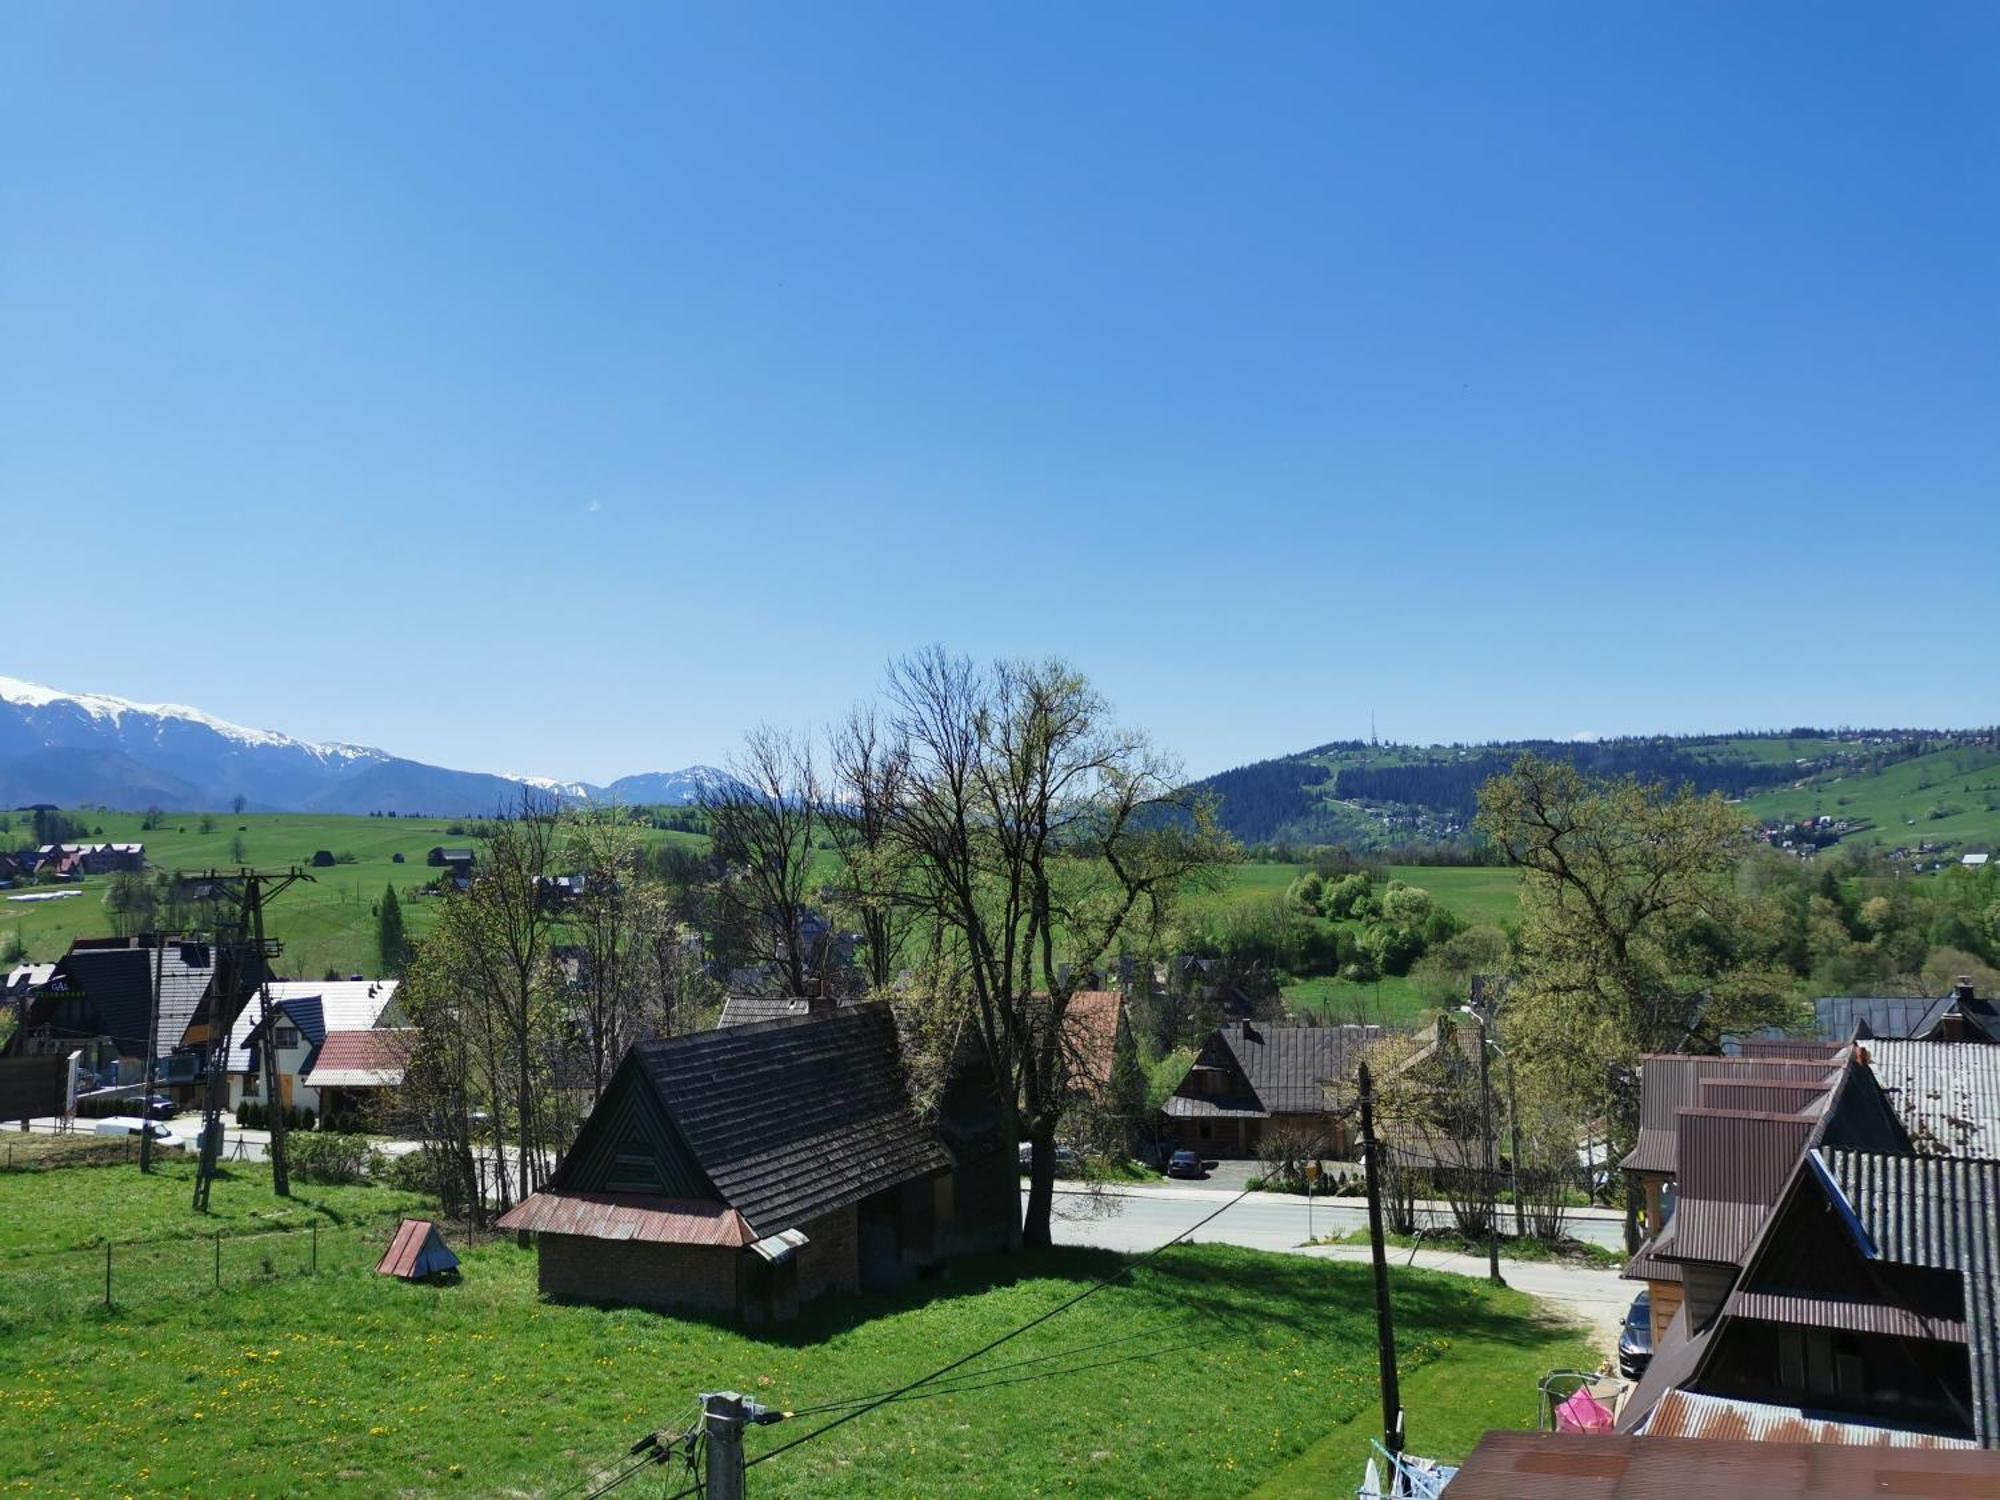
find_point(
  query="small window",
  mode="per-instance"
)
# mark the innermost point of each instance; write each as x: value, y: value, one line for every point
x: 250, y: 1084
x: 286, y: 1036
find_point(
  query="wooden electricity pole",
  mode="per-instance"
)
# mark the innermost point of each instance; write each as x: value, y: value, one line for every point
x: 1385, y: 1323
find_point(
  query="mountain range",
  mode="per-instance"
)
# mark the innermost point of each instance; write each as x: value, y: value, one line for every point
x: 73, y: 749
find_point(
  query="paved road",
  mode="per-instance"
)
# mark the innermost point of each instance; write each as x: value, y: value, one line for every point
x: 1140, y: 1217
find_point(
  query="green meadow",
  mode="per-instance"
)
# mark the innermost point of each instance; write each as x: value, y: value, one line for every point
x: 344, y: 1382
x: 327, y: 925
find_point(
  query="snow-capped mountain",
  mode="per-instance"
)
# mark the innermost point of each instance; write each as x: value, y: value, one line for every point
x: 74, y: 748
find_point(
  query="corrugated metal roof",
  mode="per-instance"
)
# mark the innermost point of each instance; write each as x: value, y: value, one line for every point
x: 1689, y: 1414
x: 1947, y: 1094
x: 1733, y: 1164
x: 1671, y: 1082
x: 1573, y: 1466
x: 1840, y: 1312
x: 1838, y: 1017
x: 417, y: 1251
x: 630, y: 1216
x: 1941, y: 1212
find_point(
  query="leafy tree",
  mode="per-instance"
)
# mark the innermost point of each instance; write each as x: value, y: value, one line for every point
x: 392, y: 944
x: 1126, y: 1096
x: 1634, y: 937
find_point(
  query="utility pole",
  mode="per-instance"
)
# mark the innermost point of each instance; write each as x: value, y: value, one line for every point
x: 228, y: 994
x: 723, y: 1414
x: 281, y: 1180
x: 152, y: 1044
x: 1492, y: 1167
x: 1385, y: 1325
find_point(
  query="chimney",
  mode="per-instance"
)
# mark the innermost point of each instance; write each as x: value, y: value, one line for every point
x: 821, y: 1005
x: 1961, y: 988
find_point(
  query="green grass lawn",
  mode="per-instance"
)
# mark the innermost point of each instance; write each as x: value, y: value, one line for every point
x: 328, y: 924
x: 348, y: 1382
x: 1389, y: 1001
x: 78, y: 1208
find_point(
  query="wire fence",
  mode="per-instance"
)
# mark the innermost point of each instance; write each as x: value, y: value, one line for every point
x: 64, y: 1283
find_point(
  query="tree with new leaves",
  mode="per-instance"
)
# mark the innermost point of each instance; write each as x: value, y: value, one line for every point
x: 1036, y: 834
x: 1634, y: 937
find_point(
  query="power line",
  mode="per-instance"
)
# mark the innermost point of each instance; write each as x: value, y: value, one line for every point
x: 1062, y: 1307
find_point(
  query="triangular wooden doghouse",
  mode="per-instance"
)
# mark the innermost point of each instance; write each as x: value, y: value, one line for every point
x: 417, y: 1253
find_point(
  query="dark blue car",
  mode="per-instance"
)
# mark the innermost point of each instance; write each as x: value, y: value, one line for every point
x: 1184, y: 1164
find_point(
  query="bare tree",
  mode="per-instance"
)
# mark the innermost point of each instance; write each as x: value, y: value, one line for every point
x: 870, y: 766
x: 765, y: 818
x: 602, y: 848
x: 1037, y: 835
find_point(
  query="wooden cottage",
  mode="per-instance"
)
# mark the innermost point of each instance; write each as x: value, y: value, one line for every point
x: 747, y: 1170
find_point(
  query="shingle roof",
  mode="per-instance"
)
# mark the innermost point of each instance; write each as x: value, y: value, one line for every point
x: 1947, y: 1094
x: 1941, y: 1212
x: 788, y: 1120
x: 1836, y: 1018
x: 1289, y: 1067
x: 1090, y: 1028
x: 747, y: 1010
x: 361, y: 1059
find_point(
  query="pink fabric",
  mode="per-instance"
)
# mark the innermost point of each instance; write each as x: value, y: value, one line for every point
x: 1583, y: 1412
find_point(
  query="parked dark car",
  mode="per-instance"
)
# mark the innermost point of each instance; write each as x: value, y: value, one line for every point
x: 1635, y: 1341
x: 1185, y: 1164
x: 1067, y: 1161
x: 158, y: 1107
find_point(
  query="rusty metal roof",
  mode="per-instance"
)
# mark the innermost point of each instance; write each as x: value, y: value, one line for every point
x: 630, y: 1216
x: 417, y: 1251
x: 1574, y: 1466
x: 1947, y: 1094
x: 1690, y: 1414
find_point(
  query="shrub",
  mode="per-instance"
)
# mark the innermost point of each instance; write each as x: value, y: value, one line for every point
x: 328, y: 1156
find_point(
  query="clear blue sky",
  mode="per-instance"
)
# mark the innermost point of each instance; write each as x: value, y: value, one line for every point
x: 564, y: 389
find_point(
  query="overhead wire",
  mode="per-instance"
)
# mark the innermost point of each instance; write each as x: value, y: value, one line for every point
x: 943, y: 1370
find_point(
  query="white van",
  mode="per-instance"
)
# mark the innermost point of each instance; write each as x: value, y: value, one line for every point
x: 133, y: 1125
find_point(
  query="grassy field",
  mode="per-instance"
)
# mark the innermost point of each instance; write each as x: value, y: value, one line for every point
x: 1389, y: 1001
x: 1950, y: 797
x: 348, y: 1382
x: 328, y: 925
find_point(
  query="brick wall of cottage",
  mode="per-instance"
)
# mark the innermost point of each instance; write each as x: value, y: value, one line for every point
x: 634, y: 1273
x: 831, y: 1262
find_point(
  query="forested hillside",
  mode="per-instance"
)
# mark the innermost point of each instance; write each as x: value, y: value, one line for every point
x: 1382, y: 796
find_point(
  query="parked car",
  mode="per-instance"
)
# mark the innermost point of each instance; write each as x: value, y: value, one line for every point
x: 129, y: 1125
x: 1067, y: 1161
x: 1635, y: 1341
x: 1185, y: 1164
x: 157, y: 1107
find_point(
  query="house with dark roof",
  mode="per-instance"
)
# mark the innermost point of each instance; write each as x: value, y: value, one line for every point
x: 747, y: 1170
x: 1961, y: 1016
x: 99, y: 1000
x: 1718, y: 1139
x: 1251, y: 1077
x: 1870, y: 1302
